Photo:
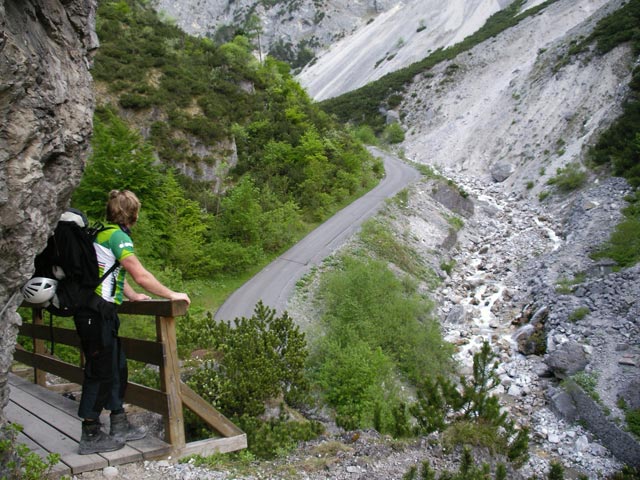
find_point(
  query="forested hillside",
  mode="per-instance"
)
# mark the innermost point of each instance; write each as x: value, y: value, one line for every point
x: 230, y: 158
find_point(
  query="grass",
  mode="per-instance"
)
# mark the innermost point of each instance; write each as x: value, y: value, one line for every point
x: 579, y: 314
x: 565, y: 286
x: 589, y: 383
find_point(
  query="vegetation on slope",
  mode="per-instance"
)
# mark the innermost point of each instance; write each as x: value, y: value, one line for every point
x: 197, y: 103
x: 619, y: 146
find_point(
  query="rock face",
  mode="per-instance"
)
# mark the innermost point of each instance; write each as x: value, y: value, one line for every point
x: 46, y: 108
x: 317, y: 24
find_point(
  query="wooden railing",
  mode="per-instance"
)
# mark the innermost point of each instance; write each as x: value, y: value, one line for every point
x: 173, y: 394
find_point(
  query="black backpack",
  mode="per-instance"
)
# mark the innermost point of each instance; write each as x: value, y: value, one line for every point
x: 70, y: 258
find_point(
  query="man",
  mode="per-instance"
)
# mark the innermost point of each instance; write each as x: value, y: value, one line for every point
x: 105, y: 374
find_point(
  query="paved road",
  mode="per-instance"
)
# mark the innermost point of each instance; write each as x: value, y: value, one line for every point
x: 275, y: 283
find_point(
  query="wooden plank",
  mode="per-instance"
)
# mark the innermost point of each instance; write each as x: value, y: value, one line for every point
x: 53, y: 399
x: 65, y: 336
x: 208, y: 413
x: 152, y: 447
x: 141, y: 350
x: 126, y: 454
x: 71, y: 426
x: 155, y: 307
x: 139, y: 395
x: 58, y: 470
x: 214, y: 445
x: 147, y: 398
x: 50, y: 364
x: 67, y: 423
x: 22, y: 392
x: 170, y: 382
x: 53, y: 440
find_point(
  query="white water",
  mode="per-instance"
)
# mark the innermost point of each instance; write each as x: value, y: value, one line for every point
x: 557, y: 241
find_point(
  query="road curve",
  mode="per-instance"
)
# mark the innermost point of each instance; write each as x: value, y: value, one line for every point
x: 275, y: 283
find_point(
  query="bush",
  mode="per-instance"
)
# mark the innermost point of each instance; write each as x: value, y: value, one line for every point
x: 393, y: 133
x: 375, y: 326
x: 624, y: 244
x: 379, y: 238
x: 569, y: 178
x: 17, y: 461
x: 353, y: 378
x: 468, y: 470
x: 556, y: 471
x: 632, y: 417
x: 366, y: 135
x: 364, y: 299
x: 277, y: 436
x: 579, y: 314
x: 258, y: 359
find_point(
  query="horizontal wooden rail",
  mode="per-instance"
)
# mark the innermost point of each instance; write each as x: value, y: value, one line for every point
x: 145, y: 351
x: 173, y: 394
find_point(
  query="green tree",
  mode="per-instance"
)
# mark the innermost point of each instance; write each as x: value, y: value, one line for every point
x: 241, y: 212
x: 120, y: 160
x: 185, y: 226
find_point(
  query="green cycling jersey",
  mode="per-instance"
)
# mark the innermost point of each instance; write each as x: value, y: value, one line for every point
x: 112, y: 245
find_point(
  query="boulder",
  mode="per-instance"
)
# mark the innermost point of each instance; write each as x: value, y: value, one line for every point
x: 568, y: 359
x: 501, y: 171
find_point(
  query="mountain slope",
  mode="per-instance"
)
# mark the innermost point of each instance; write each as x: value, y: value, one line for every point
x: 508, y: 104
x: 404, y: 34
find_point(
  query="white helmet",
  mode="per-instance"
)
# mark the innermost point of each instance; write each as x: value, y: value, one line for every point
x: 39, y: 290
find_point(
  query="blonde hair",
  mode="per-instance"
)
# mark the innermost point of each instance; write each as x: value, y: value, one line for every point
x: 123, y: 207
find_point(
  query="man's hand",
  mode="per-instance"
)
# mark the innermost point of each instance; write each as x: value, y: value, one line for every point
x: 139, y: 297
x: 181, y: 296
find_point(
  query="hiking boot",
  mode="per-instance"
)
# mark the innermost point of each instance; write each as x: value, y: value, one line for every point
x: 121, y: 429
x: 94, y: 440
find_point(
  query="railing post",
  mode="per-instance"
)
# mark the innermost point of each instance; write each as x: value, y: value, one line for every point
x: 170, y: 382
x: 39, y: 376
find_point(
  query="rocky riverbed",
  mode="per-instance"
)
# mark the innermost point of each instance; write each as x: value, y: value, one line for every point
x: 516, y: 262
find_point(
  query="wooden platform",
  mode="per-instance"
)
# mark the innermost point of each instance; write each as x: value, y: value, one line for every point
x: 51, y: 425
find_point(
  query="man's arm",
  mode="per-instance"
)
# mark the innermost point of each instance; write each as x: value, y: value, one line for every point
x: 132, y: 295
x: 146, y: 280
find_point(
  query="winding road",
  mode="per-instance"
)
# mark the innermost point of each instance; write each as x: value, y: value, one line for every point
x: 275, y: 283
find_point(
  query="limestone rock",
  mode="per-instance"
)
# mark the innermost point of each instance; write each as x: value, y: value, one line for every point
x: 46, y: 108
x: 501, y: 171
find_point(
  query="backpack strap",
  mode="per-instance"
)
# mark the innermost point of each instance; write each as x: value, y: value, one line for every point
x: 108, y: 272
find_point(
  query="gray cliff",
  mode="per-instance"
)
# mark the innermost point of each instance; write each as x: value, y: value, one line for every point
x: 46, y: 105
